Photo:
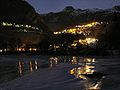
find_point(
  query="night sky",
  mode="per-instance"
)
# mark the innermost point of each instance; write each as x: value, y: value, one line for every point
x: 45, y: 6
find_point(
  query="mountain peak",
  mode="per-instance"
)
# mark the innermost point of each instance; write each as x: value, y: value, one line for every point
x: 117, y: 8
x: 68, y: 9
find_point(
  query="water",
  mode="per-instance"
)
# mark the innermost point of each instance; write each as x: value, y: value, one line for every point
x: 12, y: 66
x: 91, y: 73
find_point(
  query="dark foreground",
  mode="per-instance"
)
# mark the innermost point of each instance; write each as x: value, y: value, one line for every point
x: 63, y: 73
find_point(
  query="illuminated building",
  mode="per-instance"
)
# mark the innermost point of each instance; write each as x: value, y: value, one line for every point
x: 88, y: 41
x: 87, y: 31
x: 79, y: 29
x: 18, y: 25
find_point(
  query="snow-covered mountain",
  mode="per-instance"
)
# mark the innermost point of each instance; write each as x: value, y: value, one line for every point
x: 70, y: 16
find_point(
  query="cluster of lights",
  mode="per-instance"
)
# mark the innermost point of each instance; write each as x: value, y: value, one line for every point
x: 88, y: 25
x: 89, y: 60
x: 74, y: 44
x: 32, y: 66
x: 74, y: 60
x: 18, y: 26
x: 86, y: 30
x: 85, y: 42
x: 88, y: 41
x: 78, y: 29
x: 86, y: 69
x: 3, y: 50
x: 53, y: 61
x: 54, y: 46
x: 23, y: 49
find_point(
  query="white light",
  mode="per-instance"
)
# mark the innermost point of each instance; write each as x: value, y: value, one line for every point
x: 1, y: 50
x: 4, y: 24
x: 17, y: 25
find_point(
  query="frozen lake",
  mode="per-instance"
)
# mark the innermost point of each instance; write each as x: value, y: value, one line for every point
x: 37, y: 72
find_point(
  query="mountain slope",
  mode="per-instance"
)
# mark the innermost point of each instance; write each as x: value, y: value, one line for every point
x: 19, y: 11
x: 70, y: 16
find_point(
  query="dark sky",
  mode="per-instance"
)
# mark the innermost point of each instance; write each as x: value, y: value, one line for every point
x: 45, y: 6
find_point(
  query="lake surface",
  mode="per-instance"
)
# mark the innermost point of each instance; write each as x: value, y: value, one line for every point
x: 92, y: 73
x: 12, y: 66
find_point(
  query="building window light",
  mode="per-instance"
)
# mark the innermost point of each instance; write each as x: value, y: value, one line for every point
x: 25, y: 30
x: 21, y: 25
x: 17, y: 25
x: 27, y: 26
x: 4, y: 24
x: 33, y: 27
x: 9, y: 24
x: 37, y: 28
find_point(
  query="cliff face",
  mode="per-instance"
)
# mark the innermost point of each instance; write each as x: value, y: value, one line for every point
x: 19, y: 11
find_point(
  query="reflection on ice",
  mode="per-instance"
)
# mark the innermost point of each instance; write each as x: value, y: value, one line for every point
x: 92, y: 79
x: 74, y: 60
x: 87, y: 67
x: 94, y: 82
x: 53, y: 61
x: 84, y: 69
x: 30, y: 65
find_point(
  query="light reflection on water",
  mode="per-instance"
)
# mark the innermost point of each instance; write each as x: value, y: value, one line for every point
x: 85, y: 67
x: 53, y: 61
x: 31, y: 66
x: 85, y: 70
